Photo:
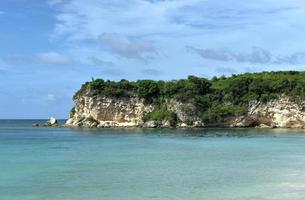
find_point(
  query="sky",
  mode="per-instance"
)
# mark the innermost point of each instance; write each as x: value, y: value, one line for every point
x: 48, y: 48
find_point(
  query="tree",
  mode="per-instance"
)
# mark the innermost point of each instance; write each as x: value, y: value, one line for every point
x: 148, y: 89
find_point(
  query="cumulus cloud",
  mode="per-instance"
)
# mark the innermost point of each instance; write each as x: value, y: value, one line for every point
x: 256, y: 56
x: 230, y: 14
x: 211, y: 54
x: 113, y: 34
x: 294, y: 59
x: 79, y: 20
x: 100, y: 62
x: 145, y: 27
x: 126, y: 47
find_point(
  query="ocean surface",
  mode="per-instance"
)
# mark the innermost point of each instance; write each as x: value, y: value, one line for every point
x: 138, y: 164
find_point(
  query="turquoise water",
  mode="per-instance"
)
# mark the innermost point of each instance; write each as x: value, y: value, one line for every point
x: 135, y: 164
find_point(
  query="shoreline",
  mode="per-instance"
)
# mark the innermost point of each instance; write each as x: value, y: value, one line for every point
x: 173, y: 128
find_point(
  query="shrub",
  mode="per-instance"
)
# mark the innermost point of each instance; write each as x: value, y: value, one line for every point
x: 160, y: 115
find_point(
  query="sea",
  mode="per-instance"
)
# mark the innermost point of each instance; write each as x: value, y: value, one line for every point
x: 39, y: 163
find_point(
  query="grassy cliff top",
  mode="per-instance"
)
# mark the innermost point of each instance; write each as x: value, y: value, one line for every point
x: 248, y: 86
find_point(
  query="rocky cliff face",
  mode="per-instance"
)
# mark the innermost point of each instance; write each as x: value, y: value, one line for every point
x: 97, y: 111
x: 280, y: 113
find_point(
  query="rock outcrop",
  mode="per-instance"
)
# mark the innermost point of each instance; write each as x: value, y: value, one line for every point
x: 279, y: 113
x: 51, y: 122
x: 98, y: 111
x: 152, y: 124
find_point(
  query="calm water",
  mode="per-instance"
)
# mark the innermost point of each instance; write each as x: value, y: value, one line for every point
x: 117, y: 164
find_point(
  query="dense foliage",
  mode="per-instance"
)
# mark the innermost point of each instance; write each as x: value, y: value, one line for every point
x: 162, y: 114
x: 215, y: 99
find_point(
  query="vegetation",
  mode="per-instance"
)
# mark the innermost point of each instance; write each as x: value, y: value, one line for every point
x: 214, y: 99
x: 161, y: 114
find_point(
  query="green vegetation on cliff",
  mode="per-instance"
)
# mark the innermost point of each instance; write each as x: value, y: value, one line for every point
x: 215, y: 99
x: 162, y: 114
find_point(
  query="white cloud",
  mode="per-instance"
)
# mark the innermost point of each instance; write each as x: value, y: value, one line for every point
x: 78, y: 20
x: 102, y: 63
x: 53, y: 58
x: 294, y: 59
x: 256, y: 56
x: 49, y: 58
x: 144, y: 29
x: 127, y: 47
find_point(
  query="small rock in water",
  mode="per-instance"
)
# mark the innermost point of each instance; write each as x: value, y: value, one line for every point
x: 35, y: 125
x: 51, y: 122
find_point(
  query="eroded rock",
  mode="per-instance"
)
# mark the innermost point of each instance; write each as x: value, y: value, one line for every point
x: 151, y: 124
x: 279, y: 113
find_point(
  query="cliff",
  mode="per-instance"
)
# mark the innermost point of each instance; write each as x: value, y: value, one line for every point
x: 279, y: 113
x: 268, y: 99
x: 96, y: 111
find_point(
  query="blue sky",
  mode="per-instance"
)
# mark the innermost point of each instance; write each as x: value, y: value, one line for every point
x: 49, y: 47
